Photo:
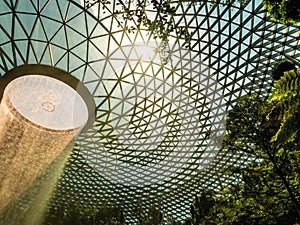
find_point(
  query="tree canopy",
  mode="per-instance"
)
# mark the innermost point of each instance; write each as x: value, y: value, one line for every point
x: 265, y: 191
x: 161, y: 24
x: 284, y: 11
x: 108, y: 215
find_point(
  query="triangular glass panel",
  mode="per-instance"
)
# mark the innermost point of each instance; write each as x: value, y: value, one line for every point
x: 3, y: 37
x: 7, y: 54
x: 25, y: 6
x: 75, y: 62
x: 44, y: 4
x: 22, y: 46
x: 57, y: 53
x: 70, y: 10
x: 27, y: 22
x: 74, y: 38
x: 6, y: 23
x: 60, y: 39
x: 39, y: 49
x: 38, y: 32
x: 31, y: 57
x: 46, y: 57
x: 90, y: 75
x: 97, y: 67
x: 92, y: 24
x: 52, y: 26
x: 19, y: 32
x: 81, y: 51
x: 79, y: 23
x: 51, y: 10
x: 61, y: 62
x: 4, y: 7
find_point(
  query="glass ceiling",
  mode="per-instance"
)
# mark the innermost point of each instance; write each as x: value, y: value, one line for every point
x: 160, y: 107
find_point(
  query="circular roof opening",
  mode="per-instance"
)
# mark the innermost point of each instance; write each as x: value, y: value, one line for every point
x: 48, y: 97
x: 47, y: 102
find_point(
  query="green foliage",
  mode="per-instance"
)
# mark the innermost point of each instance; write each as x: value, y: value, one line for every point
x: 87, y: 216
x: 284, y: 11
x: 266, y: 191
x: 228, y: 2
x: 280, y: 67
x: 286, y: 100
x: 153, y: 216
x: 202, y: 208
x: 260, y: 198
x: 137, y: 14
x: 160, y: 22
x: 247, y: 129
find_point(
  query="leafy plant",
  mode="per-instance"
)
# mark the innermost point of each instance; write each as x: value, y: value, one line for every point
x: 266, y: 190
x: 284, y: 11
x: 280, y: 67
x: 85, y: 216
x: 286, y: 109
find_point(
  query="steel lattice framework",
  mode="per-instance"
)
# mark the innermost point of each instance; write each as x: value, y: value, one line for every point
x: 160, y: 107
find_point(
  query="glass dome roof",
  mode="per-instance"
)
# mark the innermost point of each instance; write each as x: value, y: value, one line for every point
x: 160, y: 107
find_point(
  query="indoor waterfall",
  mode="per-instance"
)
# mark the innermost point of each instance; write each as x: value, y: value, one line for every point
x: 40, y: 116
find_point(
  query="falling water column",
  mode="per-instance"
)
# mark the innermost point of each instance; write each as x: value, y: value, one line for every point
x: 39, y: 116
